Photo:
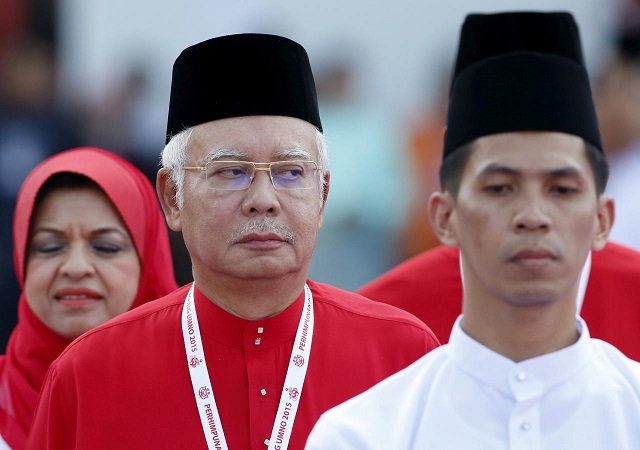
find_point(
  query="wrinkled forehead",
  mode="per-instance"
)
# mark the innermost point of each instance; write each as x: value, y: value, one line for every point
x: 254, y: 136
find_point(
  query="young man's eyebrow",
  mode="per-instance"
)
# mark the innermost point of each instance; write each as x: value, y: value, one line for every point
x: 495, y: 168
x: 566, y: 172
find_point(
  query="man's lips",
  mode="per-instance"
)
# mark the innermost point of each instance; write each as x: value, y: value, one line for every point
x: 258, y: 238
x: 533, y: 254
x: 533, y: 258
x: 73, y: 296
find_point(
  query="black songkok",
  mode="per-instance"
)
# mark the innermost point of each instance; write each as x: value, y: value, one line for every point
x: 628, y: 43
x: 241, y: 75
x: 519, y: 71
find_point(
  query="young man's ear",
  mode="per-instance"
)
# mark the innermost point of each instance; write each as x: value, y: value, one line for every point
x: 166, y: 189
x: 606, y: 216
x: 442, y: 216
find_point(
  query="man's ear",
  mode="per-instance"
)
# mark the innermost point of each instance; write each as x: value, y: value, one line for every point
x: 167, y: 195
x: 606, y: 216
x: 442, y: 216
x: 325, y: 195
x: 325, y: 192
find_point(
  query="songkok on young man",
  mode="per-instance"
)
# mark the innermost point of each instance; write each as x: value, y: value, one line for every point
x: 251, y: 353
x: 523, y: 176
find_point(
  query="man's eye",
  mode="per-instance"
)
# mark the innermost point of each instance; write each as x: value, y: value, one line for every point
x: 564, y: 190
x: 289, y: 172
x: 230, y: 172
x: 497, y: 188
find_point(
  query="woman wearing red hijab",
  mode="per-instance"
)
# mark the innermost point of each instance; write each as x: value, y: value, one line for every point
x: 90, y: 242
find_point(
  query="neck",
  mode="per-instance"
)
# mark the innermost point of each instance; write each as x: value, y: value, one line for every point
x: 252, y: 299
x: 521, y: 332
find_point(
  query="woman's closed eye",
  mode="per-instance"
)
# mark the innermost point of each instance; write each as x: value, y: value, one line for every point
x: 106, y: 247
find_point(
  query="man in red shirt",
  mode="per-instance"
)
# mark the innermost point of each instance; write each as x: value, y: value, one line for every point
x: 251, y: 353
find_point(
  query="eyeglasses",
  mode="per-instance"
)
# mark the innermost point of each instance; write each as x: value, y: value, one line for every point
x: 238, y: 175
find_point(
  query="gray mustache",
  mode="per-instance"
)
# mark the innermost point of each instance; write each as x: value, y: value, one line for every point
x: 263, y: 226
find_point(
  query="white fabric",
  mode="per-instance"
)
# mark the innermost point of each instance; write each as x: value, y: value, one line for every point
x: 624, y: 186
x: 582, y: 285
x: 202, y: 386
x: 464, y: 396
x: 203, y: 389
x: 4, y: 445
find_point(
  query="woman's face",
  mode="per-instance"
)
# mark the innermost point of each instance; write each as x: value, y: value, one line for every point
x: 82, y: 267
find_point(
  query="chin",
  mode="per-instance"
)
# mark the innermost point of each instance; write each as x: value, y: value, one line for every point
x: 537, y: 292
x: 72, y: 334
x: 263, y: 273
x: 533, y: 300
x: 76, y: 329
x: 265, y: 268
x: 536, y: 297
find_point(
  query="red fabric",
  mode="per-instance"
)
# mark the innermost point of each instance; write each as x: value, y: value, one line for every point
x: 429, y: 286
x: 33, y: 346
x: 611, y: 305
x: 98, y: 396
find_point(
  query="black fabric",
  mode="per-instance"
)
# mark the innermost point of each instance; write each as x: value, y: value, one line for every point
x: 519, y: 71
x: 487, y: 35
x: 628, y: 43
x: 241, y: 75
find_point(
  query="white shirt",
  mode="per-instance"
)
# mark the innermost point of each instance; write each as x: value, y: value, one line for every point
x: 624, y: 186
x: 4, y: 445
x: 465, y: 396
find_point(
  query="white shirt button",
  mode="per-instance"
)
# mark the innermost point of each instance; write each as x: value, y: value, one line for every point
x: 521, y: 376
x: 526, y: 426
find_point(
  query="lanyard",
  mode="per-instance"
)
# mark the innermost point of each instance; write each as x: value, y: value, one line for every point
x: 203, y: 391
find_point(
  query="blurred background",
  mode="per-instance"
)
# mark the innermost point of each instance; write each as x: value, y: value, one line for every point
x: 95, y: 72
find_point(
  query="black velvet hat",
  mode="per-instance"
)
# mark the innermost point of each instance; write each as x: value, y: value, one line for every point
x: 628, y: 43
x: 241, y: 75
x: 519, y: 71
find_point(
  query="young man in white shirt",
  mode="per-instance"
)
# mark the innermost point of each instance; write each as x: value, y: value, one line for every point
x: 522, y: 178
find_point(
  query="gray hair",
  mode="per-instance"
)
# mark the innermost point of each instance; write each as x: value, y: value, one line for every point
x: 174, y: 158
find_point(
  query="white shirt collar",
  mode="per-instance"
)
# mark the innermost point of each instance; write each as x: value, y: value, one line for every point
x: 529, y: 377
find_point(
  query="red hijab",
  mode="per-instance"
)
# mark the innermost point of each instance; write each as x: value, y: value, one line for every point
x: 32, y: 346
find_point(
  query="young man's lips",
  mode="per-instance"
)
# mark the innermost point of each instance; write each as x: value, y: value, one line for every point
x: 533, y: 255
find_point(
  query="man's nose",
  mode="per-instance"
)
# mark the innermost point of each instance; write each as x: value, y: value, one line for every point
x: 531, y: 214
x: 261, y: 196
